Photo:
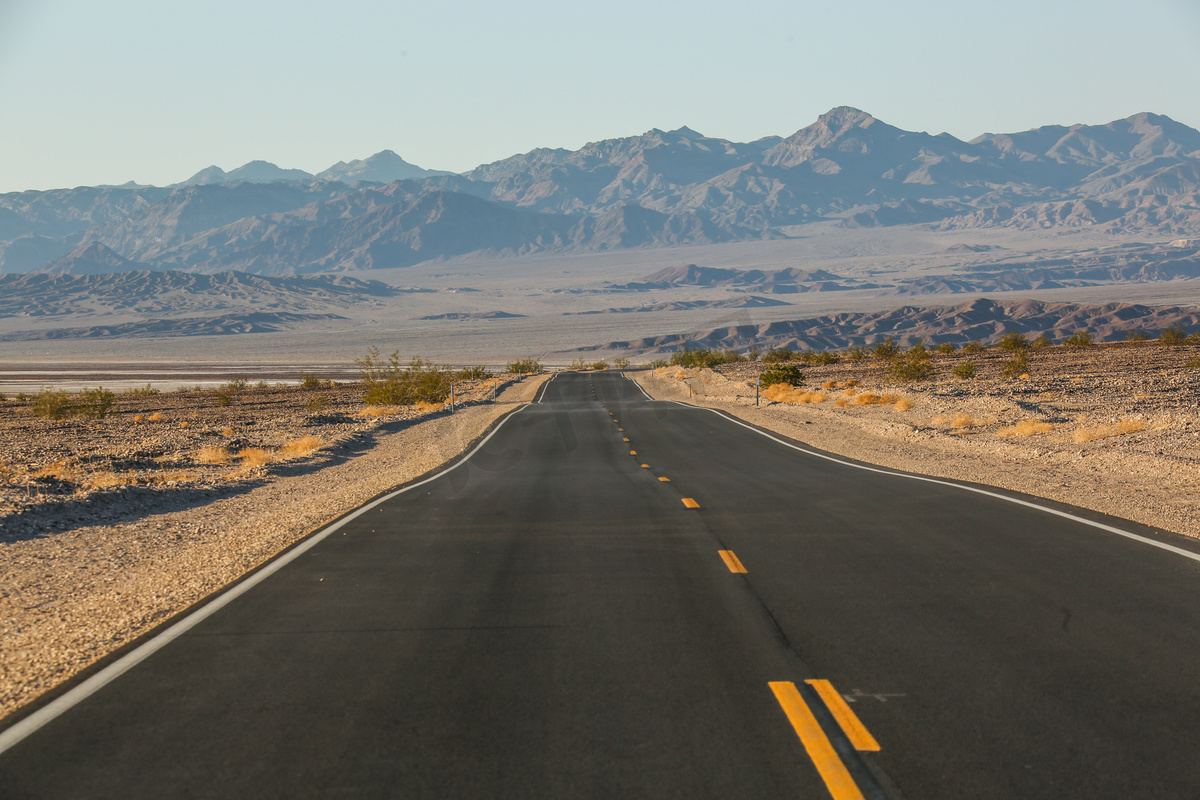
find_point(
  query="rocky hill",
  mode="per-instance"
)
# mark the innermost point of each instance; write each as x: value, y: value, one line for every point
x: 1137, y: 175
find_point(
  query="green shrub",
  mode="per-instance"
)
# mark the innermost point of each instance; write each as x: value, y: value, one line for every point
x: 95, y: 403
x: 784, y: 373
x: 821, y: 358
x: 316, y: 403
x: 386, y: 382
x: 946, y: 347
x: 236, y: 385
x: 223, y: 396
x: 886, y: 350
x: 914, y: 365
x: 579, y: 363
x: 621, y: 363
x: 52, y: 404
x: 601, y: 364
x: 658, y: 362
x: 1041, y: 341
x: 531, y: 366
x: 965, y: 370
x: 705, y: 358
x: 1013, y: 341
x: 778, y: 356
x: 1018, y: 366
x: 754, y: 353
x: 142, y: 390
x: 974, y: 346
x: 1136, y: 336
x: 856, y: 352
x: 1193, y: 363
x: 1174, y: 335
x: 472, y: 374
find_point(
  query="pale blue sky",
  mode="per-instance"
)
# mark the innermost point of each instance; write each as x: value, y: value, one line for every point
x: 105, y: 92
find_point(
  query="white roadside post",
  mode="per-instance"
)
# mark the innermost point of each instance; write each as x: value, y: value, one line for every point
x: 757, y: 378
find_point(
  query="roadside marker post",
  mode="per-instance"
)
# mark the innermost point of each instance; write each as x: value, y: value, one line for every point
x: 757, y: 380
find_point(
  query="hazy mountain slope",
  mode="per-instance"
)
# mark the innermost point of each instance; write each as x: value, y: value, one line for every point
x: 383, y: 167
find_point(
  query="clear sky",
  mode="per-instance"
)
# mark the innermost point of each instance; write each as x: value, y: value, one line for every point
x: 152, y: 91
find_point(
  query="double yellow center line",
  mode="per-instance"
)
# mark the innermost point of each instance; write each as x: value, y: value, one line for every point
x: 833, y: 771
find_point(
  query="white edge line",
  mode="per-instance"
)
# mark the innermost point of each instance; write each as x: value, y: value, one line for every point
x: 60, y: 705
x: 541, y: 395
x: 1064, y: 514
x: 640, y: 389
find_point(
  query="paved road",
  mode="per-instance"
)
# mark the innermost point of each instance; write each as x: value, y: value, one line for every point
x: 551, y: 620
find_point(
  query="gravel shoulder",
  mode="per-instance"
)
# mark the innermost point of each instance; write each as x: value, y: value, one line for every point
x: 1115, y: 430
x: 110, y: 527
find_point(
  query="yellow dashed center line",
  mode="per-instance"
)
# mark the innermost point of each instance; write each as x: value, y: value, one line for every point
x: 837, y: 778
x: 855, y: 731
x: 732, y: 561
x: 668, y: 480
x: 645, y: 466
x: 690, y: 503
x: 633, y: 452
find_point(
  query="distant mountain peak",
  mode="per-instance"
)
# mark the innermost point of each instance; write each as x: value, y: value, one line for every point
x: 383, y: 167
x: 843, y: 118
x: 687, y: 133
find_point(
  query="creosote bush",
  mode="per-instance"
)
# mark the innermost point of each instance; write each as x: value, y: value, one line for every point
x: 964, y: 370
x: 1176, y: 335
x: 527, y: 366
x: 914, y: 365
x: 52, y: 404
x: 974, y: 346
x: 946, y: 347
x: 95, y: 403
x: 705, y: 358
x: 599, y: 365
x: 788, y: 374
x: 472, y: 374
x: 1079, y: 338
x: 1018, y: 366
x: 387, y: 382
x: 1013, y: 341
x: 620, y: 363
x: 886, y: 350
x: 1041, y: 341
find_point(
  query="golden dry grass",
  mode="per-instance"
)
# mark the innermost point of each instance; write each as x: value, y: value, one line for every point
x: 1119, y: 428
x: 1026, y: 427
x: 157, y: 416
x: 214, y: 455
x: 299, y: 448
x: 960, y: 421
x: 254, y: 457
x: 902, y: 405
x: 138, y: 418
x: 380, y: 411
x: 425, y: 407
x: 185, y: 424
x: 106, y: 480
x: 831, y: 385
x: 786, y: 393
x: 227, y: 432
x: 60, y: 470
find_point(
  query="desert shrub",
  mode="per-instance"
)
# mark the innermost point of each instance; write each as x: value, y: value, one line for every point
x: 621, y: 363
x: 601, y: 364
x: 1174, y: 335
x: 789, y: 374
x: 214, y: 455
x: 855, y: 353
x: 95, y: 403
x: 778, y: 356
x: 236, y: 385
x: 298, y: 448
x: 52, y: 404
x: 822, y: 358
x: 255, y: 457
x: 965, y: 370
x: 317, y: 403
x: 974, y: 346
x: 1041, y: 341
x: 705, y: 358
x: 262, y: 385
x: 386, y: 382
x: 1013, y: 341
x: 3, y: 397
x: 946, y: 347
x: 754, y: 353
x: 886, y: 350
x: 223, y: 397
x: 1015, y: 368
x: 310, y: 381
x: 914, y: 365
x: 472, y: 374
x: 1079, y: 338
x: 578, y: 364
x: 530, y: 365
x: 146, y: 390
x: 658, y: 363
x: 1136, y: 336
x: 1193, y: 363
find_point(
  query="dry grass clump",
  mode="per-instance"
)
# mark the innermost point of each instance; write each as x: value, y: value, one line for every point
x: 425, y: 407
x: 380, y: 411
x: 106, y: 480
x: 1026, y: 427
x: 157, y: 416
x: 960, y: 422
x: 902, y: 405
x: 59, y: 470
x: 254, y: 457
x: 227, y: 432
x: 299, y: 448
x: 786, y: 393
x: 214, y: 455
x: 1119, y: 428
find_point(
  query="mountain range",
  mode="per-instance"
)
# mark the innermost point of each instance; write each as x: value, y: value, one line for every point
x: 1138, y: 175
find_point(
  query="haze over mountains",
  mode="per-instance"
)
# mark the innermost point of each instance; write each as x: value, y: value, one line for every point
x: 1139, y: 175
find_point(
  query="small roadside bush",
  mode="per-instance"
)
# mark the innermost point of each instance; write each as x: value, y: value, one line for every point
x: 146, y: 390
x: 1174, y: 335
x: 472, y: 374
x: 964, y: 370
x: 705, y: 358
x: 778, y: 356
x: 52, y: 404
x: 310, y: 381
x: 530, y: 365
x: 317, y: 403
x: 822, y: 358
x: 946, y: 347
x: 95, y: 403
x: 914, y: 365
x: 1018, y: 366
x: 620, y: 363
x: 856, y: 352
x: 1136, y: 336
x: 387, y: 382
x: 1013, y: 341
x: 658, y: 363
x: 886, y: 350
x: 598, y: 365
x: 784, y: 373
x: 1079, y: 338
x: 1041, y: 341
x: 974, y: 346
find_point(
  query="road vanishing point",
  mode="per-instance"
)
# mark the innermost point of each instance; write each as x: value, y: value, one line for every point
x: 614, y: 597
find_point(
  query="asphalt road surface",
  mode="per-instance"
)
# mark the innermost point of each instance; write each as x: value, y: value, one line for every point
x: 613, y: 597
